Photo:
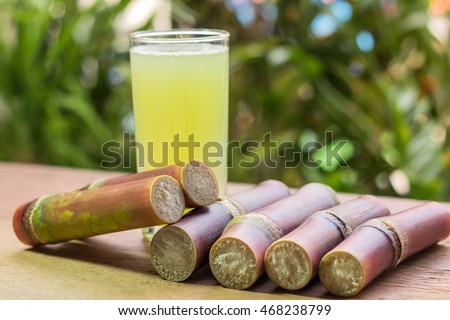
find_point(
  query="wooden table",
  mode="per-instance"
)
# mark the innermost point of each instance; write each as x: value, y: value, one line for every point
x: 117, y: 266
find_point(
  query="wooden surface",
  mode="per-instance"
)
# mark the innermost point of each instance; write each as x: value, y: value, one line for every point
x: 117, y: 266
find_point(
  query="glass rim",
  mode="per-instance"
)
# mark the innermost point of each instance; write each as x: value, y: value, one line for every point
x: 170, y: 36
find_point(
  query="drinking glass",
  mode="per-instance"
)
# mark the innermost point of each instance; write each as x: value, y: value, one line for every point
x: 180, y: 98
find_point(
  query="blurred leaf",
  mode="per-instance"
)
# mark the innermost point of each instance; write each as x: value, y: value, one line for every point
x: 334, y: 155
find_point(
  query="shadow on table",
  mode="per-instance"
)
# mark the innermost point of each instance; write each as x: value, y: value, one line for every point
x: 313, y: 290
x: 127, y: 253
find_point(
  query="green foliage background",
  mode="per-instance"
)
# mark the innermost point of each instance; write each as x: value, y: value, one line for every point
x: 65, y: 88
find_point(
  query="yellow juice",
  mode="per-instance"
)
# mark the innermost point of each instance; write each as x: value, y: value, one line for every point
x: 180, y: 93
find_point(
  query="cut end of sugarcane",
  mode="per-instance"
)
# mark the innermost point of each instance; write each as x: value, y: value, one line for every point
x: 341, y: 274
x: 173, y: 253
x: 21, y: 228
x: 200, y: 184
x: 288, y: 265
x: 167, y: 199
x: 233, y: 263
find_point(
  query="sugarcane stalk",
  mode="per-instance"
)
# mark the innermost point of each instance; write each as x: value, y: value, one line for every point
x: 381, y: 244
x: 65, y: 216
x: 197, y: 180
x: 180, y: 249
x: 292, y: 261
x: 237, y: 258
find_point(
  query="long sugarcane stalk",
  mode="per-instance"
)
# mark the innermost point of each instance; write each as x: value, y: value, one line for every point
x: 61, y: 217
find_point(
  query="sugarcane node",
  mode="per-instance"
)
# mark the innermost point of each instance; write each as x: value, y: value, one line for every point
x: 260, y: 221
x: 391, y: 234
x: 232, y: 207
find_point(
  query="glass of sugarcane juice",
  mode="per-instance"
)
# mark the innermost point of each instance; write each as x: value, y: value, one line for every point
x: 180, y: 98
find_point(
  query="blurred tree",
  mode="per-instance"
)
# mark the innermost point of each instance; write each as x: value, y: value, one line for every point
x: 374, y: 73
x: 61, y: 93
